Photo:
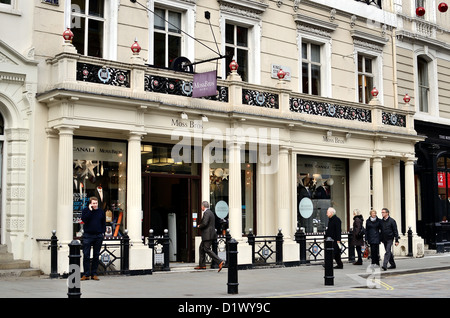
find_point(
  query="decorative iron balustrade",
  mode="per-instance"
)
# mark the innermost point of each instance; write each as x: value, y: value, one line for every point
x: 103, y: 75
x: 266, y: 249
x: 376, y: 3
x: 261, y: 99
x: 393, y: 119
x: 175, y: 86
x: 300, y: 105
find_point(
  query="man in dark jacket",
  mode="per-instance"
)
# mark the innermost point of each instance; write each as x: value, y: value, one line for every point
x: 334, y: 231
x: 94, y: 228
x: 389, y: 232
x: 208, y: 235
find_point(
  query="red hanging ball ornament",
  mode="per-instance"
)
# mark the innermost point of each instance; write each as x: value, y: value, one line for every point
x: 68, y: 35
x: 406, y: 99
x: 443, y: 7
x: 374, y: 92
x: 233, y: 65
x: 135, y: 47
x: 281, y: 74
x: 420, y: 11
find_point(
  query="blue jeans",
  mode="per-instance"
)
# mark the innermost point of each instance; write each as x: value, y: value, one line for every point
x: 94, y: 240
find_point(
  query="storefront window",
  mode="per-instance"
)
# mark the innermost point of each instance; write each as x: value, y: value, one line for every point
x: 219, y: 194
x: 321, y: 183
x: 443, y: 178
x: 99, y: 170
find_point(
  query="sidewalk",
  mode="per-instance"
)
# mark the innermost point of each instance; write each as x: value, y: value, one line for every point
x: 209, y: 284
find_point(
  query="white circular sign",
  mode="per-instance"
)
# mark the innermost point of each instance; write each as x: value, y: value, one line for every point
x: 221, y: 209
x: 305, y: 207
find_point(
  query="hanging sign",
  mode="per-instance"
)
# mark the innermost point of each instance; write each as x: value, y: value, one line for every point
x: 204, y: 84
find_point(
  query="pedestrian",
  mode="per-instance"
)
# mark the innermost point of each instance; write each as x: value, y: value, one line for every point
x: 334, y: 231
x: 94, y: 228
x: 389, y: 233
x: 373, y: 230
x: 208, y: 236
x: 358, y: 234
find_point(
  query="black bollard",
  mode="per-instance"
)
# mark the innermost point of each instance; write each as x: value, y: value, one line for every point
x: 232, y: 267
x: 165, y: 249
x: 410, y: 242
x: 251, y: 241
x: 329, y: 278
x: 54, y: 256
x: 279, y: 246
x: 351, y: 246
x: 125, y: 265
x: 73, y: 280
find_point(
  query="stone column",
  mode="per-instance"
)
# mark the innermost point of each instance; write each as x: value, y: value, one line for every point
x: 235, y: 213
x: 64, y: 219
x: 283, y: 185
x: 134, y: 188
x: 377, y: 184
x: 410, y: 203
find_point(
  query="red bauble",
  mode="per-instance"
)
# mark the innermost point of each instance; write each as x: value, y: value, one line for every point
x: 443, y: 7
x: 406, y: 99
x: 374, y: 92
x: 420, y: 11
x: 135, y: 47
x: 233, y: 65
x: 68, y: 35
x: 281, y: 74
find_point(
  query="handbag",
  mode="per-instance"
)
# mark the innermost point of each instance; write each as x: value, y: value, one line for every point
x: 366, y: 251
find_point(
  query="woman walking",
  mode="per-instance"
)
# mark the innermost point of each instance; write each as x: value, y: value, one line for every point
x: 373, y: 230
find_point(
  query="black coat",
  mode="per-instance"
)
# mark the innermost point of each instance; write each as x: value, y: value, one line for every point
x: 389, y: 230
x: 358, y: 237
x: 334, y: 228
x: 373, y: 231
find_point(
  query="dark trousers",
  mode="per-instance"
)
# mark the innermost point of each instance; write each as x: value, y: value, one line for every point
x: 95, y: 241
x: 375, y: 254
x: 359, y: 252
x: 388, y: 256
x: 337, y: 254
x: 205, y: 248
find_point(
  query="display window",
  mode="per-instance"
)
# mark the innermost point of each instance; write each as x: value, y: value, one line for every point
x: 321, y: 183
x: 443, y: 182
x: 99, y: 169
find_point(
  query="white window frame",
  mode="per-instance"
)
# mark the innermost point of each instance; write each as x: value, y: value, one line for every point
x: 111, y: 8
x: 12, y: 8
x: 377, y: 71
x: 187, y: 11
x: 433, y: 97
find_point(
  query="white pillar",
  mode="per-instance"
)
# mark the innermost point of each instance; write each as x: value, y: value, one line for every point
x: 410, y: 203
x: 235, y: 213
x: 283, y: 180
x: 134, y: 180
x: 377, y: 184
x: 64, y: 220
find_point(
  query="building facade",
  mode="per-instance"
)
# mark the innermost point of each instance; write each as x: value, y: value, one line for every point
x: 307, y: 112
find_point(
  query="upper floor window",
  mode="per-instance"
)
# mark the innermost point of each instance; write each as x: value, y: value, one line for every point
x: 423, y: 84
x: 5, y: 1
x: 167, y: 37
x: 365, y: 78
x: 311, y: 68
x: 88, y: 26
x: 237, y: 47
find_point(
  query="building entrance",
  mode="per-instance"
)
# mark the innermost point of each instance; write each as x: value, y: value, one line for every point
x: 172, y: 202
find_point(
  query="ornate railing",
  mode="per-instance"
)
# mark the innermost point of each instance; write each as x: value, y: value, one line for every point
x: 376, y: 3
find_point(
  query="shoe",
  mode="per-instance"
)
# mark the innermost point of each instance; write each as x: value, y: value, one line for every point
x: 95, y: 277
x: 392, y: 267
x: 357, y: 263
x: 384, y: 268
x: 84, y: 277
x: 200, y: 267
x: 339, y: 267
x: 220, y: 266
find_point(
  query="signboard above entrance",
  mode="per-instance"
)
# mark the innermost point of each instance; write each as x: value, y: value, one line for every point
x: 204, y: 84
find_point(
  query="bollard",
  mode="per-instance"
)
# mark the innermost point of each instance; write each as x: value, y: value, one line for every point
x: 54, y: 256
x: 410, y: 242
x: 300, y: 238
x: 251, y: 242
x: 351, y: 246
x: 232, y: 267
x: 165, y: 249
x: 329, y: 278
x: 125, y: 260
x: 73, y: 280
x: 279, y: 248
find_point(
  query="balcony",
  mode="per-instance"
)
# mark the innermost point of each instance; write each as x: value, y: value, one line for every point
x: 376, y: 3
x: 138, y: 84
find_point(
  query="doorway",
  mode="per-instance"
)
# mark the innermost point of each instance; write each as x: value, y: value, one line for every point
x: 171, y: 202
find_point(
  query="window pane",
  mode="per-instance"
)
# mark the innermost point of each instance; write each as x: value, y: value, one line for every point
x: 95, y: 38
x: 78, y: 6
x: 304, y: 51
x: 96, y: 8
x: 368, y: 89
x: 368, y: 65
x: 242, y: 36
x: 174, y: 48
x: 229, y: 34
x: 174, y: 22
x: 305, y: 82
x: 242, y: 60
x: 315, y: 79
x: 5, y: 1
x: 315, y: 53
x: 360, y: 63
x: 159, y: 19
x: 159, y: 48
x: 78, y: 34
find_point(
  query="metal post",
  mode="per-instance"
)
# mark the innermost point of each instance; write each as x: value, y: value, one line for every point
x: 165, y: 249
x: 279, y: 247
x: 329, y: 278
x: 227, y: 240
x: 233, y: 267
x: 300, y: 238
x: 73, y: 280
x: 151, y: 245
x: 251, y: 242
x: 351, y: 246
x: 54, y: 255
x: 125, y: 266
x: 410, y: 242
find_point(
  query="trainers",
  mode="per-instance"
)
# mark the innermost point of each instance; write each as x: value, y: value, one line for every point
x: 84, y: 277
x: 95, y: 277
x: 220, y: 266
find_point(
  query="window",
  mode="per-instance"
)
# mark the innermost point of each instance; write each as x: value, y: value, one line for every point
x: 365, y: 78
x: 443, y: 182
x: 236, y: 47
x: 5, y: 1
x: 311, y: 68
x: 88, y: 26
x: 167, y: 37
x: 423, y: 82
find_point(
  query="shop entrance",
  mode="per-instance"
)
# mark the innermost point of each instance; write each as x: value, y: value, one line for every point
x: 172, y: 202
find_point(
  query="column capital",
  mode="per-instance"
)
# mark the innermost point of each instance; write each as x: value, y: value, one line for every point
x: 65, y: 129
x: 136, y: 135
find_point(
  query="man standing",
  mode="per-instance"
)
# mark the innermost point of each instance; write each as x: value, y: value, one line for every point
x: 208, y: 235
x: 334, y: 231
x: 94, y: 220
x: 389, y: 232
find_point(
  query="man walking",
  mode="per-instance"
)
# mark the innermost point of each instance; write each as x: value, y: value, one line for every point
x: 334, y: 231
x: 389, y: 232
x: 208, y: 235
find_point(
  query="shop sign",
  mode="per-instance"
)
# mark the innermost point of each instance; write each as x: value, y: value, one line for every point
x: 306, y: 207
x: 221, y: 209
x: 442, y: 179
x: 333, y: 140
x: 204, y: 84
